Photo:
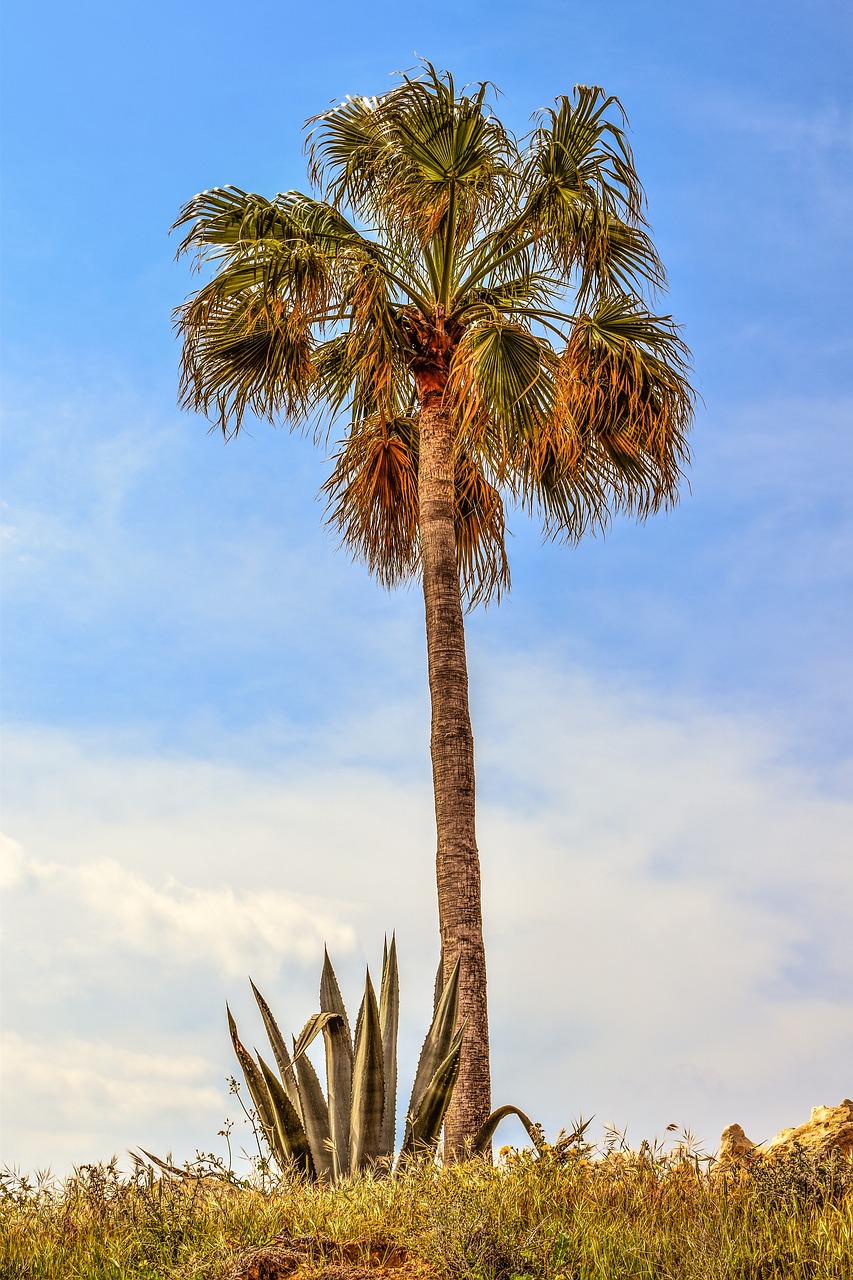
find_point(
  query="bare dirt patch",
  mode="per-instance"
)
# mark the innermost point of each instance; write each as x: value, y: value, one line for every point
x: 318, y: 1258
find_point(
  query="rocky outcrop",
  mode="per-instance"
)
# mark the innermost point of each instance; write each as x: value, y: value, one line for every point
x: 828, y: 1129
x: 734, y: 1145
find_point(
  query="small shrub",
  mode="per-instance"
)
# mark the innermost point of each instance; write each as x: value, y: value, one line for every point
x: 800, y: 1176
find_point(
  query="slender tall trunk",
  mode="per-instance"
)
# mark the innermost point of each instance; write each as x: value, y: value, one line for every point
x: 452, y: 746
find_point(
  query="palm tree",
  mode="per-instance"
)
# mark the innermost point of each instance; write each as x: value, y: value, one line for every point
x: 473, y: 307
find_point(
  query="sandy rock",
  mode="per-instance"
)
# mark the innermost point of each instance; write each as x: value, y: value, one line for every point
x: 828, y: 1129
x: 734, y: 1145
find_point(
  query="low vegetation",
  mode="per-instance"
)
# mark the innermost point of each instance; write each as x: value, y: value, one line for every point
x: 569, y: 1212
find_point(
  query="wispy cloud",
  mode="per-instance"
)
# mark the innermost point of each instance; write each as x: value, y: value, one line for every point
x: 227, y: 928
x: 81, y: 1101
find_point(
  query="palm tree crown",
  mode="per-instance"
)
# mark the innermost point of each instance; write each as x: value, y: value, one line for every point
x: 473, y: 306
x: 443, y: 253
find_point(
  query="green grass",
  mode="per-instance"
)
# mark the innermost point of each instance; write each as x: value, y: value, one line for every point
x: 563, y: 1216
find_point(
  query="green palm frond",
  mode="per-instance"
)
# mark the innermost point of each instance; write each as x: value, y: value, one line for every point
x: 243, y: 354
x: 579, y: 151
x: 226, y: 222
x: 583, y: 195
x: 419, y: 156
x: 501, y: 381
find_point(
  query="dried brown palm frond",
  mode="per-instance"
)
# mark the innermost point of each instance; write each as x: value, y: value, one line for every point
x: 372, y: 497
x: 622, y: 389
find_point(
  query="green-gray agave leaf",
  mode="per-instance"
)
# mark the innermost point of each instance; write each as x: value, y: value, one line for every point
x: 259, y: 1093
x: 486, y: 1132
x: 423, y: 1127
x: 436, y: 1046
x: 288, y: 1127
x: 315, y: 1114
x: 368, y: 1084
x: 338, y: 1039
x: 280, y: 1051
x: 310, y: 1031
x: 389, y: 1016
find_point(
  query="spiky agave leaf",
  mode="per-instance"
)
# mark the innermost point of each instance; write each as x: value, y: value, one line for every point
x: 438, y: 985
x: 259, y: 1094
x: 389, y: 1016
x: 339, y: 1061
x: 315, y: 1114
x: 439, y: 1038
x: 289, y: 1131
x: 423, y: 1125
x: 279, y: 1048
x: 368, y: 1084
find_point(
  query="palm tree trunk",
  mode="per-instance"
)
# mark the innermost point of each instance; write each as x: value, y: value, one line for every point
x: 452, y: 746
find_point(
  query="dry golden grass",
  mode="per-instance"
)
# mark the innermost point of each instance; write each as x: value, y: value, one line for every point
x: 571, y: 1214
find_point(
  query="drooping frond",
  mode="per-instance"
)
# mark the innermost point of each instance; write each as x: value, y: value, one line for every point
x: 243, y: 353
x: 622, y: 387
x: 372, y: 497
x: 480, y: 534
x: 615, y: 257
x: 552, y: 476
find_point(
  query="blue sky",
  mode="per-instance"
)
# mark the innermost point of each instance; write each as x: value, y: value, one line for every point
x: 215, y: 751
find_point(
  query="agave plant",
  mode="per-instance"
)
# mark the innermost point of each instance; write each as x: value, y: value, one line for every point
x: 353, y: 1128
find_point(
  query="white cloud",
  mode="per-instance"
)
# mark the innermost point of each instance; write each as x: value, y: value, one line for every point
x: 80, y: 1101
x: 13, y: 867
x: 230, y: 929
x: 666, y: 896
